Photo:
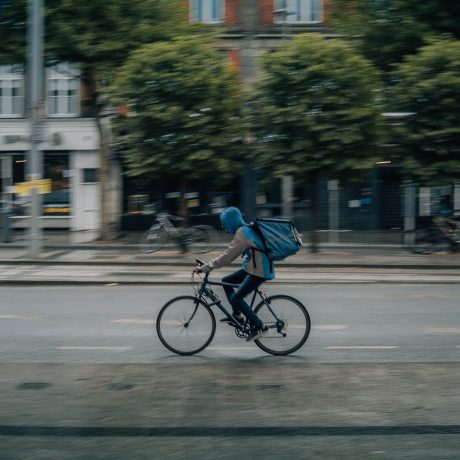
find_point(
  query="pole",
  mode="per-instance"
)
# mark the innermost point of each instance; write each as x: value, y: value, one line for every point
x: 287, y: 187
x: 333, y: 188
x: 6, y: 164
x: 35, y: 114
x: 410, y: 212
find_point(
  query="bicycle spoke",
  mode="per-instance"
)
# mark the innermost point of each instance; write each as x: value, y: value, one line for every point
x: 153, y: 239
x: 202, y: 238
x: 184, y: 326
x: 288, y: 331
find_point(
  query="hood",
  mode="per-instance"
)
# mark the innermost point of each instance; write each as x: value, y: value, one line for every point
x: 232, y: 220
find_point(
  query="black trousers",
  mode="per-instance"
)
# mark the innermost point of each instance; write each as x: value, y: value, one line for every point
x: 247, y: 283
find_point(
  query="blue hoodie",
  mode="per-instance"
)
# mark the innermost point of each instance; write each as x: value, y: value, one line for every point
x: 246, y: 242
x: 232, y: 220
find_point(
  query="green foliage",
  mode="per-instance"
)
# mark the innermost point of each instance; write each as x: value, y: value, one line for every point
x: 98, y: 34
x: 387, y: 30
x: 428, y: 84
x: 13, y: 16
x: 315, y: 112
x: 184, y: 111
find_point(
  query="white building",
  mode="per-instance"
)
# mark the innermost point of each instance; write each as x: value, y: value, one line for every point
x: 70, y: 153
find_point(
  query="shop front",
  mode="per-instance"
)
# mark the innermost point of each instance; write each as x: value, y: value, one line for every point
x: 70, y: 166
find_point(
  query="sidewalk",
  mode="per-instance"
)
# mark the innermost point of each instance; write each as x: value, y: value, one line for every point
x: 121, y: 253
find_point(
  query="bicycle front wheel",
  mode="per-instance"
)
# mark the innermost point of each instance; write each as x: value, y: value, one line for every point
x: 186, y: 325
x: 288, y: 324
x: 426, y: 241
x: 153, y: 239
x: 203, y: 238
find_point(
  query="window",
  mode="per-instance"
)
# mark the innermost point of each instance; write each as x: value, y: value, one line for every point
x: 55, y: 168
x: 63, y: 90
x: 207, y: 11
x: 293, y: 11
x: 90, y: 175
x: 11, y: 91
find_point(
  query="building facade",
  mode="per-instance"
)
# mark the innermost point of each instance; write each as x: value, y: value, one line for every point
x: 70, y: 150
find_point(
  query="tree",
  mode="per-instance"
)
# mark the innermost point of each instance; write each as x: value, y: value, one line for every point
x: 386, y: 31
x: 315, y: 113
x: 99, y: 35
x: 184, y: 103
x: 428, y: 84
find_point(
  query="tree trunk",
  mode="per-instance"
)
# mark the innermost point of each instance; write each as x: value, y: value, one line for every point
x: 313, y: 215
x: 108, y: 224
x: 182, y: 201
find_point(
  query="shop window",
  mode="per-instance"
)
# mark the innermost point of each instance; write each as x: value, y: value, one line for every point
x: 90, y: 175
x: 208, y: 11
x: 63, y: 90
x: 298, y: 11
x: 55, y: 168
x: 11, y: 91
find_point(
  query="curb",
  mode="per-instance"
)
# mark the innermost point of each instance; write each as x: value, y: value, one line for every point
x: 189, y: 263
x: 114, y: 283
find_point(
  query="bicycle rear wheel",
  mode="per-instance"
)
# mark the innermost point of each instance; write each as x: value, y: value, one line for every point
x: 186, y: 325
x: 288, y: 322
x: 202, y: 238
x: 427, y: 240
x: 153, y: 239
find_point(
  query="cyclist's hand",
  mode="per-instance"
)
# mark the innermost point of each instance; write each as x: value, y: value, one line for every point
x: 201, y: 269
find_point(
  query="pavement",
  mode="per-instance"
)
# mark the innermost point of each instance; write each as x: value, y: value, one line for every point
x: 258, y: 409
x: 121, y: 262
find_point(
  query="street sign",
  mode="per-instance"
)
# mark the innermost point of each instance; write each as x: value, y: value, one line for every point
x: 25, y: 188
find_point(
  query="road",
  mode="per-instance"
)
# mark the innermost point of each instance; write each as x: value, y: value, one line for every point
x: 82, y: 376
x: 87, y: 273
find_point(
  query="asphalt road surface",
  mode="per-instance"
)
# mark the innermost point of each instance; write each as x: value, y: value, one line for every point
x: 83, y: 376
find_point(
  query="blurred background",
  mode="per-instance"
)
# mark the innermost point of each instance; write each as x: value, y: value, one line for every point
x: 125, y: 123
x: 340, y: 115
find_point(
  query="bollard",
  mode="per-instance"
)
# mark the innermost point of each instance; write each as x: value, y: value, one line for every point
x: 6, y: 225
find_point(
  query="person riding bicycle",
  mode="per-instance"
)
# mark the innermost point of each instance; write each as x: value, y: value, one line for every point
x: 256, y: 268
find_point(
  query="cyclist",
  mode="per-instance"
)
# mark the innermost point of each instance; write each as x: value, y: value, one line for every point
x: 256, y: 268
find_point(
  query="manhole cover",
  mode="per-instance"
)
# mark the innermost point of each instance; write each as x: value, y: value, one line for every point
x: 33, y: 386
x: 120, y: 386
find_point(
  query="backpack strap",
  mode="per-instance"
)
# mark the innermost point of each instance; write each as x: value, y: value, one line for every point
x: 259, y: 233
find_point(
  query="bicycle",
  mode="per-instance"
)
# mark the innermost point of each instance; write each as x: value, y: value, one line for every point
x: 186, y: 325
x: 197, y: 239
x: 433, y: 234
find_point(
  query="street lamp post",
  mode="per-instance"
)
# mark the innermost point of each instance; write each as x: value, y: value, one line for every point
x: 36, y: 110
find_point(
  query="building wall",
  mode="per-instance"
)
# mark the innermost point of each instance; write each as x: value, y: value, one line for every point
x: 79, y: 139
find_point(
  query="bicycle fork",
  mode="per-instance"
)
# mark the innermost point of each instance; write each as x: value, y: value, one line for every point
x: 197, y: 302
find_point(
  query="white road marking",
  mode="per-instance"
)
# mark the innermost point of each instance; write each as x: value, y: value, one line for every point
x: 329, y: 327
x: 133, y: 321
x: 363, y: 347
x: 17, y: 317
x: 71, y: 347
x: 444, y: 330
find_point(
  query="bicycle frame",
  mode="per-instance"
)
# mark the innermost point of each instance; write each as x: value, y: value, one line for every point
x: 203, y: 291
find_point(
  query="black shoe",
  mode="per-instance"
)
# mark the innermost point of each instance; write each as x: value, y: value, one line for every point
x: 256, y: 333
x: 227, y: 320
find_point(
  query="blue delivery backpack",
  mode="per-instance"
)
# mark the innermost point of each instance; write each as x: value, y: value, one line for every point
x: 279, y: 238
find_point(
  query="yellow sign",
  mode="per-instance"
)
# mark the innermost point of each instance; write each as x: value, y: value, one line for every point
x: 25, y: 188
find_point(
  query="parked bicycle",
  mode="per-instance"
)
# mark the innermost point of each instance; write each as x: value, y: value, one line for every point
x: 433, y: 234
x: 197, y: 239
x: 186, y: 325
